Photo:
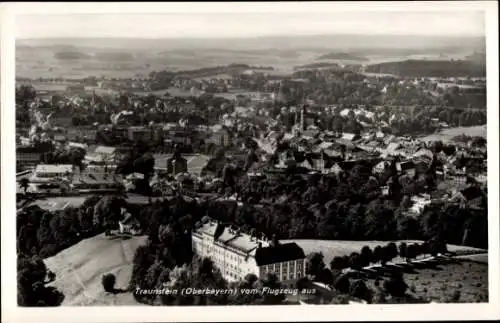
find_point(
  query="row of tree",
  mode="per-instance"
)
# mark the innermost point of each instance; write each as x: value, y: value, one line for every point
x: 380, y: 254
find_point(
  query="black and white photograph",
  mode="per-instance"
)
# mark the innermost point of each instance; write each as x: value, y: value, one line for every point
x: 251, y: 154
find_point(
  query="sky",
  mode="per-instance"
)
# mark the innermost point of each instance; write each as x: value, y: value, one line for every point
x: 217, y: 25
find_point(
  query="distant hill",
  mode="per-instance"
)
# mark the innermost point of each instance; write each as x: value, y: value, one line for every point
x: 477, y: 57
x: 318, y: 65
x: 284, y: 43
x: 430, y: 68
x: 114, y: 56
x: 71, y: 55
x: 343, y: 57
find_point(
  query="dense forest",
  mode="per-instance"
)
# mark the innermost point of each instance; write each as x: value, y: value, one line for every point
x: 430, y: 68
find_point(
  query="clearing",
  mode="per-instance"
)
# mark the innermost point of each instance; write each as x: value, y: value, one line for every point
x: 79, y: 270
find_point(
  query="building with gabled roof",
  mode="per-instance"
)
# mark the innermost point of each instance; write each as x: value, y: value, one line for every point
x: 238, y: 254
x: 101, y: 155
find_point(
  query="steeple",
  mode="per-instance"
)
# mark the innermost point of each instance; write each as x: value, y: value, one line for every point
x: 303, y: 118
x: 93, y: 98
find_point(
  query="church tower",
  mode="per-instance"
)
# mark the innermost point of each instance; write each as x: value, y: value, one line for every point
x: 303, y: 114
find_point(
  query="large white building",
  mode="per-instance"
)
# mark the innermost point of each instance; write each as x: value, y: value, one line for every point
x: 238, y: 254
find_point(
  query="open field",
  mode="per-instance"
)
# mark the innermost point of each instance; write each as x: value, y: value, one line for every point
x: 333, y: 248
x: 448, y: 134
x: 79, y: 270
x: 459, y: 281
x: 434, y: 281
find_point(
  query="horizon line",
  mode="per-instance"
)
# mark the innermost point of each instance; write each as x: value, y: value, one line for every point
x: 252, y: 37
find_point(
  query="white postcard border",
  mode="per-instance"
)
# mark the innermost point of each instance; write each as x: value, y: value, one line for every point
x: 12, y: 313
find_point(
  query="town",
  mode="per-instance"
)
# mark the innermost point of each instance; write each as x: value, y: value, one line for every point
x: 343, y: 180
x: 280, y: 160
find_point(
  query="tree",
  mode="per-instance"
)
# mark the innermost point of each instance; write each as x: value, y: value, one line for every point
x: 25, y: 93
x: 407, y: 227
x: 396, y: 286
x: 442, y: 246
x: 355, y: 261
x: 366, y: 256
x: 326, y: 276
x: 433, y: 248
x: 418, y: 250
x: 315, y: 264
x: 32, y: 277
x: 24, y: 184
x: 402, y: 249
x: 424, y: 248
x: 342, y: 284
x: 411, y: 252
x: 377, y: 254
x: 51, y: 276
x: 392, y: 251
x: 360, y: 290
x: 338, y: 263
x: 108, y: 283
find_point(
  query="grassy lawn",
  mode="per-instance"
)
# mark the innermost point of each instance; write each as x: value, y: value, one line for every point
x: 79, y: 270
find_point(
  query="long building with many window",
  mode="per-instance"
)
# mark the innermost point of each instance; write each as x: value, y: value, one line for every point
x: 238, y: 254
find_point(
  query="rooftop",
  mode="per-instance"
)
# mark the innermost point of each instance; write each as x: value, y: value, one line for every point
x: 105, y: 150
x: 279, y: 253
x: 54, y: 168
x: 230, y: 236
x: 96, y: 178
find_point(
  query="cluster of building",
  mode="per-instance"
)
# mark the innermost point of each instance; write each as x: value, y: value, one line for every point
x: 460, y: 175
